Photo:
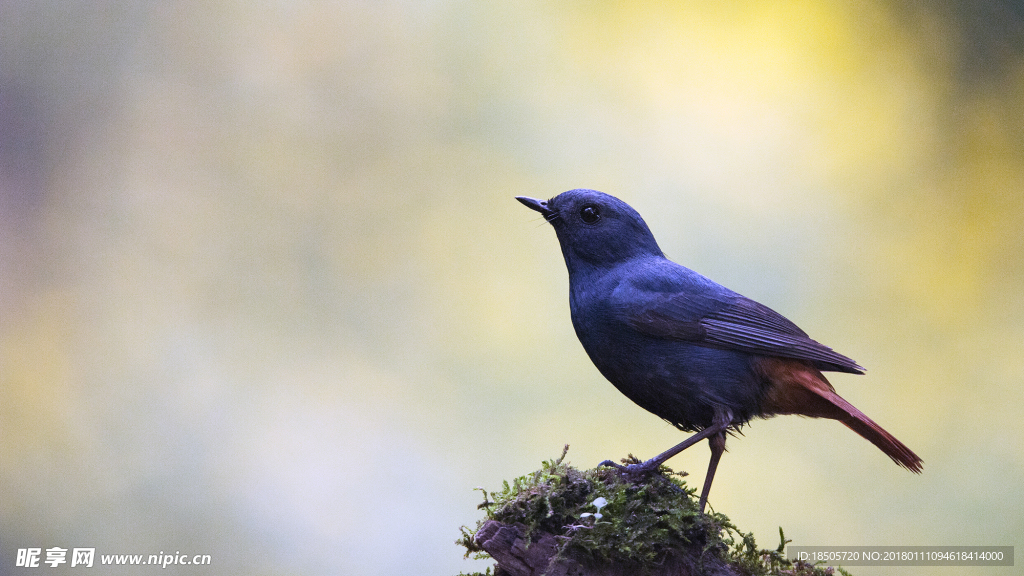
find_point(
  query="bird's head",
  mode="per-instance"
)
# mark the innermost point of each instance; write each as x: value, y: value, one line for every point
x: 595, y: 228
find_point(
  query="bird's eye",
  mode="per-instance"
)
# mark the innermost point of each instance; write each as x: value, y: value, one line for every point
x: 590, y: 213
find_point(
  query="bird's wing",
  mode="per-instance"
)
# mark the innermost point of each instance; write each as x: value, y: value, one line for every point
x: 730, y: 321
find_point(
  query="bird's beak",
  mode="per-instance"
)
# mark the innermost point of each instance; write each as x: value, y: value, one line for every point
x: 538, y: 205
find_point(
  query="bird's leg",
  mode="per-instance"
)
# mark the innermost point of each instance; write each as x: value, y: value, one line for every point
x: 717, y: 443
x: 721, y: 422
x: 652, y: 464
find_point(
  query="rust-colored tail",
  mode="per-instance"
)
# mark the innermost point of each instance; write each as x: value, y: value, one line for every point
x: 856, y: 420
x: 798, y: 388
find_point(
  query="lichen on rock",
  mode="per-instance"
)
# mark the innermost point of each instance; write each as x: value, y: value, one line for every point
x: 561, y: 521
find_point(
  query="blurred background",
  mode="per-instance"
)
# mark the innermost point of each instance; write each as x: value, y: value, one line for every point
x: 265, y: 293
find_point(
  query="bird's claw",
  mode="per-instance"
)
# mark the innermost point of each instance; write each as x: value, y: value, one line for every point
x: 638, y: 470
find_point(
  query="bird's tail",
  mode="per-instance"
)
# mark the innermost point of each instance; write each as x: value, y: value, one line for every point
x: 799, y: 389
x: 857, y: 421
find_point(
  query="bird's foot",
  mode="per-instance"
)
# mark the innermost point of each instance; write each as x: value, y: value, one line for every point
x: 636, y: 470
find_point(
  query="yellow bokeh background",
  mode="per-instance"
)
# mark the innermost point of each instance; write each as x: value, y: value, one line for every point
x: 265, y: 293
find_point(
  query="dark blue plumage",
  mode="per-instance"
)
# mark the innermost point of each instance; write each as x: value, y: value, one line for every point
x: 684, y: 347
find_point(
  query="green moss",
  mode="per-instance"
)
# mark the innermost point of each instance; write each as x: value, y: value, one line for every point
x: 638, y: 523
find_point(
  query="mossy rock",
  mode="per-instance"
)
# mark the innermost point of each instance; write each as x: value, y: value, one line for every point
x: 561, y: 521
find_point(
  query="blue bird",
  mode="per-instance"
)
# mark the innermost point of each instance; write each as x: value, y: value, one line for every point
x: 684, y: 347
